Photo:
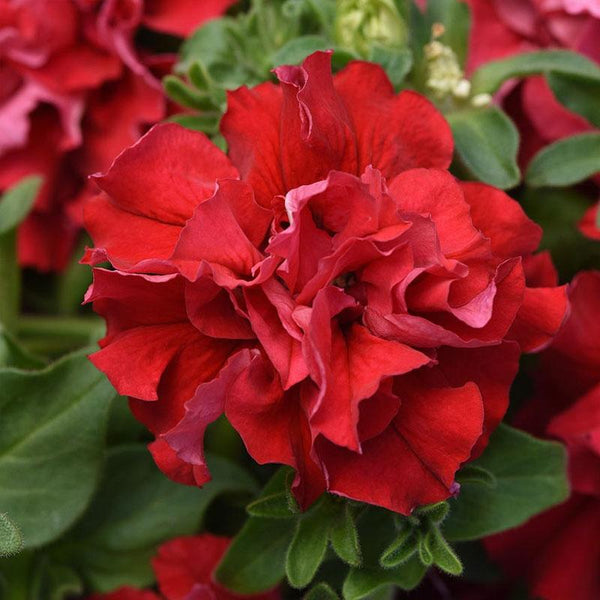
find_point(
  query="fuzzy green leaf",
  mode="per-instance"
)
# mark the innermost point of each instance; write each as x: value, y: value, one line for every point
x: 565, y: 162
x: 400, y: 550
x: 443, y: 556
x: 487, y: 142
x: 52, y: 453
x: 436, y: 513
x: 307, y: 550
x: 255, y: 561
x: 531, y: 477
x: 344, y: 536
x: 361, y: 583
x: 274, y: 506
x: 11, y: 539
x: 321, y: 591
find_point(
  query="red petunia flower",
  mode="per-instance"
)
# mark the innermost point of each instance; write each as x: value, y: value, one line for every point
x: 184, y: 570
x: 355, y: 311
x: 76, y: 91
x: 558, y: 552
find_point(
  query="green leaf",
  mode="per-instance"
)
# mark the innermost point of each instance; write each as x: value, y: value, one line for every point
x: 400, y: 550
x: 307, y: 550
x: 558, y: 211
x: 456, y: 18
x: 435, y: 513
x: 531, y: 477
x: 17, y: 202
x: 397, y: 62
x: 208, y: 43
x: 207, y: 123
x: 344, y: 536
x: 123, y: 427
x: 137, y: 508
x: 472, y: 473
x: 443, y: 556
x: 51, y: 455
x: 297, y: 49
x: 13, y: 355
x: 11, y: 539
x: 424, y: 551
x: 579, y: 94
x: 376, y: 533
x: 489, y: 77
x: 55, y: 582
x: 321, y: 591
x: 183, y: 94
x: 274, y: 506
x: 255, y: 561
x: 14, y: 206
x: 565, y: 162
x: 361, y: 583
x: 487, y: 142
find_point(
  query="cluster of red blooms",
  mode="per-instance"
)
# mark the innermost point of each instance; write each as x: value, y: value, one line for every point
x: 328, y: 282
x: 503, y: 28
x: 184, y: 568
x: 76, y: 89
x: 353, y: 309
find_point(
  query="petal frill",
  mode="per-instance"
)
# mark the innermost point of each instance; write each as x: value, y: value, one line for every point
x: 426, y: 443
x: 258, y: 404
x: 316, y: 132
x: 251, y: 128
x: 223, y: 232
x: 493, y: 370
x: 394, y: 133
x: 348, y: 365
x: 175, y: 170
x: 540, y: 317
x: 501, y: 219
x: 438, y: 194
x: 205, y: 407
x: 283, y: 349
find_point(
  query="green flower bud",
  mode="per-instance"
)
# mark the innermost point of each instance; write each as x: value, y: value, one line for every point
x: 362, y: 24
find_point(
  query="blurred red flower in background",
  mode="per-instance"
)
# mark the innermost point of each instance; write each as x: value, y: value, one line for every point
x: 558, y: 552
x: 502, y: 28
x: 184, y: 570
x: 354, y: 310
x: 77, y: 89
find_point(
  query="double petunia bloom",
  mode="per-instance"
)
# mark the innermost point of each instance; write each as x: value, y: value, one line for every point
x: 354, y: 310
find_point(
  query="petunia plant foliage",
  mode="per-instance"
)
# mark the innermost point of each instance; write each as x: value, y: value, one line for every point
x: 334, y: 351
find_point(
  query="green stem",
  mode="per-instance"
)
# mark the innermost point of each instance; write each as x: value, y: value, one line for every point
x: 74, y: 328
x: 10, y: 280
